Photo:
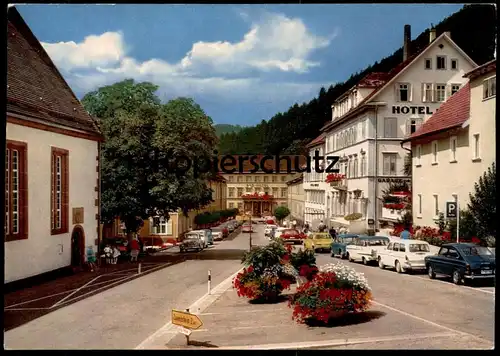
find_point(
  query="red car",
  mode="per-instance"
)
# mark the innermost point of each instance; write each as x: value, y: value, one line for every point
x: 247, y: 228
x: 293, y: 235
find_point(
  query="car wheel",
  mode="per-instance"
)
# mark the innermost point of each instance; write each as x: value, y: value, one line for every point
x: 430, y: 272
x: 398, y: 267
x: 457, y: 277
x: 342, y: 256
x: 349, y: 257
x: 380, y: 263
x: 365, y: 262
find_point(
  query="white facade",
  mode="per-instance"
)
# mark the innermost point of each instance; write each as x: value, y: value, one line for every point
x: 461, y: 157
x: 41, y: 251
x: 373, y: 136
x: 315, y: 191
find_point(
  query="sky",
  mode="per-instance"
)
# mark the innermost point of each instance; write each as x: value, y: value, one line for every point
x: 241, y: 63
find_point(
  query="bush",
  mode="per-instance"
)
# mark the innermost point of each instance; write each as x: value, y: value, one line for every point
x: 336, y: 289
x: 304, y: 261
x: 354, y: 216
x: 281, y: 212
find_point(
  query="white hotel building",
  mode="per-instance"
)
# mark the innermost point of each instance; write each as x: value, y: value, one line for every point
x: 371, y: 119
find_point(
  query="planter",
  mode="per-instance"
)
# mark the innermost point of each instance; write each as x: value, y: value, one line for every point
x: 337, y: 314
x: 357, y: 227
x: 336, y: 183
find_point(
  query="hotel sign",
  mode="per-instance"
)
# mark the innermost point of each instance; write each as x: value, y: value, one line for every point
x: 420, y: 110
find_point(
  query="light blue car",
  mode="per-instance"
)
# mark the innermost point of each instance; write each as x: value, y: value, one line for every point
x: 210, y: 238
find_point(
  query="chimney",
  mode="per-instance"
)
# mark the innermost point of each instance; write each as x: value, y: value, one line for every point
x: 406, y: 42
x: 432, y: 34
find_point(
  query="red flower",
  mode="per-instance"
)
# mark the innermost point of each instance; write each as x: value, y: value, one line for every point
x: 334, y: 177
x: 475, y: 240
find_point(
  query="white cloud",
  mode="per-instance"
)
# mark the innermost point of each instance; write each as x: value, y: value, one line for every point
x: 275, y: 43
x: 102, y: 50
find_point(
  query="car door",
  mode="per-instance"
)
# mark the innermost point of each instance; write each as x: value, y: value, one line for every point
x: 386, y: 255
x: 454, y: 261
x: 440, y: 261
x: 395, y: 254
x: 355, y: 249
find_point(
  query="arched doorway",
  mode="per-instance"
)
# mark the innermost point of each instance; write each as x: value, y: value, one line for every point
x: 77, y: 246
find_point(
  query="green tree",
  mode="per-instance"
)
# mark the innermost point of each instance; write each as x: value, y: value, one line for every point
x: 281, y: 212
x: 482, y: 204
x: 139, y: 132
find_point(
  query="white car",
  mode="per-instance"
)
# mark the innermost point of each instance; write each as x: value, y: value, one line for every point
x: 366, y: 248
x: 404, y: 255
x: 217, y: 233
x: 267, y: 231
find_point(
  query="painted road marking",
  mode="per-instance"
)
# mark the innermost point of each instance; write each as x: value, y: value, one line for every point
x: 56, y: 294
x: 116, y: 282
x: 454, y: 285
x: 431, y: 322
x: 241, y: 311
x: 76, y: 291
x: 338, y: 342
x: 200, y: 305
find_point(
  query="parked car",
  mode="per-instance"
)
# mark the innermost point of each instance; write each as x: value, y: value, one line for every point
x: 318, y: 241
x: 155, y: 244
x: 247, y: 228
x: 269, y: 228
x: 218, y: 233
x: 210, y: 238
x: 366, y: 248
x: 293, y: 235
x: 340, y: 243
x: 462, y: 261
x: 204, y: 236
x: 192, y: 241
x: 230, y: 227
x: 404, y: 255
x: 279, y: 231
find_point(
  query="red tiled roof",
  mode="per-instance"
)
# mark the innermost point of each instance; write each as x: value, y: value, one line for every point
x: 452, y: 113
x: 317, y: 141
x: 34, y: 85
x: 483, y: 69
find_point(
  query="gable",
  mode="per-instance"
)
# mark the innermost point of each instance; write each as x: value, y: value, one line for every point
x: 35, y: 88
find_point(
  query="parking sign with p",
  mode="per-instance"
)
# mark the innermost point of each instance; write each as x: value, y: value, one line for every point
x: 451, y: 210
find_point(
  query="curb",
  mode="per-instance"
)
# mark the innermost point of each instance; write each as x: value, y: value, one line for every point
x: 197, y: 307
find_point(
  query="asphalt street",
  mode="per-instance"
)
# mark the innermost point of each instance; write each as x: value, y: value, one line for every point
x: 408, y: 312
x: 124, y: 316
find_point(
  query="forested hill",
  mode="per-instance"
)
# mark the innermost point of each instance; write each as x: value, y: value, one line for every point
x: 226, y: 128
x: 472, y: 28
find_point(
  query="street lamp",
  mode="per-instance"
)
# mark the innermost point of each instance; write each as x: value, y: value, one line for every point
x: 251, y: 228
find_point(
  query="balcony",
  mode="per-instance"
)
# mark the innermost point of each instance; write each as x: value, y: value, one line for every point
x: 392, y: 214
x: 340, y: 184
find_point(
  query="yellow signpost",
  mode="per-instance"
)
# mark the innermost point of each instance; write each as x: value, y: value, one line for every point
x: 186, y: 320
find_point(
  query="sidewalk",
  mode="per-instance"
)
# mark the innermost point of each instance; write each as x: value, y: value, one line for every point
x: 232, y: 322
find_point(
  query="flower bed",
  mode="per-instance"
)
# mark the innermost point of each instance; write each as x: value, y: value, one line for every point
x: 334, y: 291
x: 431, y: 235
x: 257, y: 195
x: 334, y: 177
x: 269, y: 272
x: 394, y: 206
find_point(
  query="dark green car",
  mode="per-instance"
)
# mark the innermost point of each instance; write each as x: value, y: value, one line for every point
x: 340, y: 242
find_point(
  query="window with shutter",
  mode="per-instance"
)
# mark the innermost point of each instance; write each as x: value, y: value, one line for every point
x: 389, y: 161
x: 440, y: 95
x: 427, y: 92
x: 448, y: 91
x: 390, y: 127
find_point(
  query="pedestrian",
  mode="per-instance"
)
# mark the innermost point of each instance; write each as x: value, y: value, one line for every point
x: 108, y: 252
x: 333, y: 233
x: 134, y: 250
x: 116, y: 254
x: 91, y: 259
x: 321, y: 226
x: 342, y: 230
x: 405, y: 234
x: 272, y: 234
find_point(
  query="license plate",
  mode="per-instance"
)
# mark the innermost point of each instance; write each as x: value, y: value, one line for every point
x: 486, y: 272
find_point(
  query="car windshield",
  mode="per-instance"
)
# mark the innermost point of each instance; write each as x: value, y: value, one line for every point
x: 476, y: 251
x: 381, y: 242
x: 419, y: 248
x: 321, y: 236
x: 290, y: 232
x: 192, y: 236
x: 347, y: 240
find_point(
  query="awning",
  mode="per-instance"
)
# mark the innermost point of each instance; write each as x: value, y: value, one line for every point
x: 312, y: 211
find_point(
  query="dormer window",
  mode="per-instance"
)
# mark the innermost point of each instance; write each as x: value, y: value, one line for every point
x: 404, y: 92
x: 428, y: 63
